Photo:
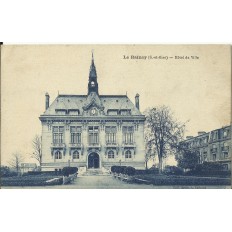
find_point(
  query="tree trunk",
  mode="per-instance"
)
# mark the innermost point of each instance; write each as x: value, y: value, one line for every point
x: 160, y: 164
x: 146, y: 164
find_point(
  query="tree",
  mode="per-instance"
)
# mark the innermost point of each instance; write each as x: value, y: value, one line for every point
x: 37, y: 149
x: 149, y: 147
x: 188, y: 159
x: 16, y: 161
x: 163, y: 131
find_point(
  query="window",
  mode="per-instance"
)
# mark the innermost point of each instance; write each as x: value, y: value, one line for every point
x: 205, y: 155
x: 58, y: 134
x: 214, y: 157
x: 61, y: 112
x: 58, y: 155
x: 75, y: 134
x: 226, y: 154
x: 76, y: 155
x: 125, y: 112
x: 93, y: 135
x: 128, y: 154
x: 110, y: 134
x: 74, y: 112
x: 225, y: 133
x: 112, y: 112
x: 225, y: 167
x: 110, y: 155
x: 128, y: 134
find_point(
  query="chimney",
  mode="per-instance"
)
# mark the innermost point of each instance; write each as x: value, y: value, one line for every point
x: 201, y: 132
x: 47, y: 101
x: 137, y: 101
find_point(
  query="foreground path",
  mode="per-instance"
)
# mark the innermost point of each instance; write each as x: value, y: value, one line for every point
x: 107, y: 182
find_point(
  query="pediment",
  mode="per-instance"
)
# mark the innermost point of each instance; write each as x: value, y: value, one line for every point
x: 93, y: 101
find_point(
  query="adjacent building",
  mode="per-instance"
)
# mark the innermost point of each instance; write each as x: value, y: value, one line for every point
x: 213, y: 146
x: 92, y: 130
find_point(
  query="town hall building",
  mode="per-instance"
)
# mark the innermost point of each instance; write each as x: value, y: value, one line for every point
x: 92, y: 130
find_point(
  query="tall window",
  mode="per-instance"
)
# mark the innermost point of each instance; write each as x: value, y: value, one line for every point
x: 76, y: 155
x: 214, y: 157
x: 58, y: 155
x: 75, y: 134
x: 128, y: 134
x: 110, y: 134
x: 58, y: 134
x: 110, y: 155
x: 93, y: 135
x: 226, y: 154
x: 128, y: 154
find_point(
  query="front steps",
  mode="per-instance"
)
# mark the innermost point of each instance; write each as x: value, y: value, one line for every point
x: 96, y: 172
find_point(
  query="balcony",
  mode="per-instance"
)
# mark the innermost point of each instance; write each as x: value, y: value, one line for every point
x: 76, y: 145
x: 58, y: 145
x: 108, y: 144
x: 129, y: 144
x: 94, y: 146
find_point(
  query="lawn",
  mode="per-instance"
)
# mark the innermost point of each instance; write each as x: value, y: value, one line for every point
x: 180, y: 180
x: 33, y: 180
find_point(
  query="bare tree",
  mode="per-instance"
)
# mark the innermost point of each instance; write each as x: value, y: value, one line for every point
x: 37, y: 149
x: 163, y: 131
x: 16, y: 161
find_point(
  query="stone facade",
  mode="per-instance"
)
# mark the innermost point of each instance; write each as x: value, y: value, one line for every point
x: 214, y: 146
x: 92, y: 130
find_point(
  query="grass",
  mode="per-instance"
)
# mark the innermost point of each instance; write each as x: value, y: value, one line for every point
x: 37, y: 180
x: 180, y: 180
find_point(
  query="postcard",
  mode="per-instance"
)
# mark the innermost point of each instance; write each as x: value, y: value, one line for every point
x: 115, y: 116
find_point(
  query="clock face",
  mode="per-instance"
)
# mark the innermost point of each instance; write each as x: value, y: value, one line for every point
x: 93, y: 111
x: 92, y: 83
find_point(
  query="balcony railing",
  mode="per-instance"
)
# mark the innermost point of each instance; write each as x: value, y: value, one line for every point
x: 58, y: 145
x: 110, y: 144
x: 75, y: 145
x: 94, y: 145
x: 129, y: 144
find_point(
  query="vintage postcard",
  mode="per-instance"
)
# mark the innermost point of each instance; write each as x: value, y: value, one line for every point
x: 115, y: 116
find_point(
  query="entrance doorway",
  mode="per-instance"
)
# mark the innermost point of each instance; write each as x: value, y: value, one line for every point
x: 93, y: 160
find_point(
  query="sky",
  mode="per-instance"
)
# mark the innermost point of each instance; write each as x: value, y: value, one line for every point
x: 197, y: 90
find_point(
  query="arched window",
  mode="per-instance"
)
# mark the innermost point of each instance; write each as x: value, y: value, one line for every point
x: 128, y: 154
x: 58, y: 155
x: 76, y: 155
x: 111, y: 155
x: 225, y: 144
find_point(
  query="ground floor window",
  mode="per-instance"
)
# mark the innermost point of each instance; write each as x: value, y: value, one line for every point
x: 110, y: 155
x: 128, y: 154
x: 58, y: 155
x: 214, y: 157
x: 76, y: 155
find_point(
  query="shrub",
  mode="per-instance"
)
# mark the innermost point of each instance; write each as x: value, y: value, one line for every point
x: 113, y: 168
x: 6, y: 172
x: 31, y: 173
x: 130, y: 171
x: 66, y: 171
x: 208, y: 166
x: 173, y: 170
x: 153, y: 170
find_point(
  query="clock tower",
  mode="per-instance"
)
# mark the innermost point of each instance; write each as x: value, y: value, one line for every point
x: 92, y: 85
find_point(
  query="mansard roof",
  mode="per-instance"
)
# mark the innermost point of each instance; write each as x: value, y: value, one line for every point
x: 78, y: 102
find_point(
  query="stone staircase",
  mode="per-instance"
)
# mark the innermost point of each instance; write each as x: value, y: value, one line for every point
x: 96, y: 172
